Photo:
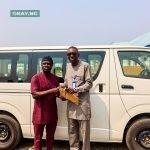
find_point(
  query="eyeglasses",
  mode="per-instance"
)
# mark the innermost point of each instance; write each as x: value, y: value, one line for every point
x: 72, y: 53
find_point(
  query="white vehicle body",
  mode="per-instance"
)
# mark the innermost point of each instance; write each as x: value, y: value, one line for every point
x: 120, y: 95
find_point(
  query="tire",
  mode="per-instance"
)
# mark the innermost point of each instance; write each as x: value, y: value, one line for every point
x: 138, y: 135
x: 10, y: 132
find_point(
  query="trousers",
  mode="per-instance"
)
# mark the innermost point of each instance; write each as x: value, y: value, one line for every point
x: 38, y: 133
x: 75, y: 128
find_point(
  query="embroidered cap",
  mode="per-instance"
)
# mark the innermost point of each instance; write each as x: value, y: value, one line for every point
x: 47, y: 58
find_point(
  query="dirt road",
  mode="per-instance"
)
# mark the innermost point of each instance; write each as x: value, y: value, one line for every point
x: 63, y: 145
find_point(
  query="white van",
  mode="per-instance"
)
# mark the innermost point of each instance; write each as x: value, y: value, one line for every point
x: 120, y: 97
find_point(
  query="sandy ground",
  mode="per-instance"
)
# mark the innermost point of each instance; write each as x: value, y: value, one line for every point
x: 25, y: 144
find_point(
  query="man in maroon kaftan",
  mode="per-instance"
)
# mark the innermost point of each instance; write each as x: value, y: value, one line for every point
x: 44, y: 88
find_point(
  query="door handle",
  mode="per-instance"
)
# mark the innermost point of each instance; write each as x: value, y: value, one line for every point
x: 101, y: 87
x: 127, y: 86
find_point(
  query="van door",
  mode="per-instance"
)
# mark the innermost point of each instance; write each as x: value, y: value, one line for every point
x: 133, y: 72
x: 98, y: 60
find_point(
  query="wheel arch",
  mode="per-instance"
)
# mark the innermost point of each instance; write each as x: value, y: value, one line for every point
x: 9, y: 114
x: 134, y: 119
x: 3, y: 112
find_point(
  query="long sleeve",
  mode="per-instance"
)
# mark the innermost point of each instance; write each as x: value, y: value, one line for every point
x: 88, y: 83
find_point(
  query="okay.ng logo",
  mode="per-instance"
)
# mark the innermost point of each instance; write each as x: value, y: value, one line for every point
x: 24, y: 13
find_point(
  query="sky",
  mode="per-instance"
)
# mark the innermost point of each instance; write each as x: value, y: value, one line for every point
x: 73, y: 22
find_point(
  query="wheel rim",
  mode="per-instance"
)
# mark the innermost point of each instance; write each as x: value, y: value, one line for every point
x: 143, y: 138
x: 4, y: 132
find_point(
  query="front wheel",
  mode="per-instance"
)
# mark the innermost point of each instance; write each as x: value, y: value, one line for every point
x: 138, y: 135
x: 10, y: 133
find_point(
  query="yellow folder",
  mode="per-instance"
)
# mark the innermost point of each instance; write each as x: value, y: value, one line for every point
x: 68, y: 96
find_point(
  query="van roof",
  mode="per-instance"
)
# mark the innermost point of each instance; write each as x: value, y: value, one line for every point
x: 66, y: 47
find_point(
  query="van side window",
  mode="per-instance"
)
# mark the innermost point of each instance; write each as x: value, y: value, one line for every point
x: 22, y: 67
x: 135, y: 63
x: 5, y: 67
x: 95, y: 60
x: 57, y: 66
x: 39, y: 68
x: 14, y: 67
x: 59, y: 60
